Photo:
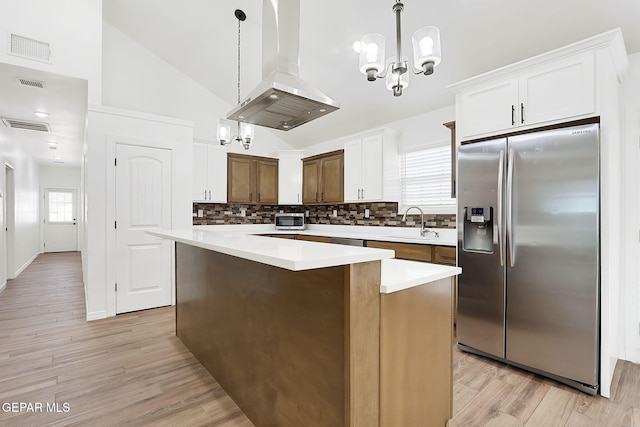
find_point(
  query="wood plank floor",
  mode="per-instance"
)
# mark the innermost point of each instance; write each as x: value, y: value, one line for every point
x: 127, y: 370
x: 132, y: 370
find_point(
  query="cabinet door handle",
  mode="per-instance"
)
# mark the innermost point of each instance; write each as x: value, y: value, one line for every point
x: 258, y: 196
x: 362, y: 197
x: 250, y: 197
x: 209, y: 194
x: 513, y: 115
x: 322, y: 196
x: 522, y: 112
x: 316, y: 196
x: 205, y: 194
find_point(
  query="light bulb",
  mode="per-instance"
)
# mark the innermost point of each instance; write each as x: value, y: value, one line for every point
x: 371, y: 51
x: 426, y: 46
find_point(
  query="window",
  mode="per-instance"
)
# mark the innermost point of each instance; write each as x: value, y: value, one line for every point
x: 426, y: 180
x: 60, y: 206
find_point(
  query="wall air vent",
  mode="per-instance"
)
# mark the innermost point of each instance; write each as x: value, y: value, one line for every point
x: 38, y: 84
x: 22, y: 124
x: 29, y: 48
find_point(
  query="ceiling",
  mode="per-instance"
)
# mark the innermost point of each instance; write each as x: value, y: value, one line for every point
x: 64, y: 98
x: 199, y: 38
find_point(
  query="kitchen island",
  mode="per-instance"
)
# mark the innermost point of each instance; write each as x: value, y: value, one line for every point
x: 314, y: 334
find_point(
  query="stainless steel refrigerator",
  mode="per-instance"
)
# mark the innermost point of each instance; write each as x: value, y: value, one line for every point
x: 528, y: 245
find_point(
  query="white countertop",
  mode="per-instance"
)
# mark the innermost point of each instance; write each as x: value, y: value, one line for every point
x: 399, y: 274
x: 285, y: 253
x: 297, y: 255
x: 447, y: 236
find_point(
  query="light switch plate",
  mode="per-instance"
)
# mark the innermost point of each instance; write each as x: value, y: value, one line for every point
x: 366, y: 213
x: 306, y: 213
x: 243, y: 212
x: 200, y: 213
x: 335, y: 213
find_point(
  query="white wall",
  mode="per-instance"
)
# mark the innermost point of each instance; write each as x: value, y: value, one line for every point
x: 60, y: 177
x: 136, y: 79
x: 73, y: 28
x: 106, y: 126
x: 26, y: 183
x: 414, y: 132
x: 630, y: 291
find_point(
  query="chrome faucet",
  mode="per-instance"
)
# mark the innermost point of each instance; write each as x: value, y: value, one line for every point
x: 404, y: 218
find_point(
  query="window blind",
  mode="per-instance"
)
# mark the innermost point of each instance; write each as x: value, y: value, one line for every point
x: 426, y: 180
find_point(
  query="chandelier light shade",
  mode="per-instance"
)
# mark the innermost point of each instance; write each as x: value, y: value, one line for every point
x: 426, y: 49
x: 224, y: 134
x: 426, y: 55
x: 372, y: 59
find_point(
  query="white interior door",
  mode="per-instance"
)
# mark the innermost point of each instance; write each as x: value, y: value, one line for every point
x: 60, y: 225
x: 143, y: 202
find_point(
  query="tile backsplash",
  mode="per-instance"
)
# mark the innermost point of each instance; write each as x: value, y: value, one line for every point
x: 380, y: 214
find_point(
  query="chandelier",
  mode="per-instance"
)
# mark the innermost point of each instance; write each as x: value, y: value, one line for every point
x: 244, y: 134
x: 426, y: 55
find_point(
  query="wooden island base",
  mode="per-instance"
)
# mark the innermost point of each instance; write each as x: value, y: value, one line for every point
x: 305, y: 348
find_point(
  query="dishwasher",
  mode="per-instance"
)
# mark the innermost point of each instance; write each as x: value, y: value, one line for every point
x: 347, y: 241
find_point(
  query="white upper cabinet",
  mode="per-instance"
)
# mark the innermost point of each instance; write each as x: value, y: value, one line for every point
x: 290, y: 177
x: 209, y: 173
x: 548, y: 91
x: 371, y: 168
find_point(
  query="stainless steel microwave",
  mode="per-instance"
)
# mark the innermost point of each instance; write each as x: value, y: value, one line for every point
x: 290, y: 221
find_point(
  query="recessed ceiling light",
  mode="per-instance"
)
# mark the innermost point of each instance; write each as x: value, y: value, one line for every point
x: 322, y: 110
x: 42, y: 114
x: 273, y: 96
x: 52, y: 143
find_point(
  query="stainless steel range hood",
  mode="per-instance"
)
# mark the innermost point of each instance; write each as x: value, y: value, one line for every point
x: 282, y: 100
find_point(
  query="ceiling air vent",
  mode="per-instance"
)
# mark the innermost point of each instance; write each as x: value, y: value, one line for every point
x: 31, y: 83
x: 22, y: 124
x: 30, y: 48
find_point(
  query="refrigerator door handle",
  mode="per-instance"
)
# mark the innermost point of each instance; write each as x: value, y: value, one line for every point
x: 510, y: 163
x: 500, y: 195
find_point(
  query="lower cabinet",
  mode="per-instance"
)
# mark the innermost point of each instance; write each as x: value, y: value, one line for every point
x: 416, y: 252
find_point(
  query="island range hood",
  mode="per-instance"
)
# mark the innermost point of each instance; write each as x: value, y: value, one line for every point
x: 282, y: 100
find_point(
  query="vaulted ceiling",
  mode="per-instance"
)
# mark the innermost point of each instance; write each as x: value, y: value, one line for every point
x: 199, y: 38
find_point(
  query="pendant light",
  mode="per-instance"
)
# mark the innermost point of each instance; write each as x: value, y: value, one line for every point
x: 426, y: 55
x: 244, y: 134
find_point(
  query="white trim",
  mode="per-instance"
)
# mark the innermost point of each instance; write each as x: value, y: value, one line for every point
x: 3, y: 286
x: 611, y: 38
x: 139, y: 115
x: 25, y: 265
x: 425, y: 146
x: 96, y: 315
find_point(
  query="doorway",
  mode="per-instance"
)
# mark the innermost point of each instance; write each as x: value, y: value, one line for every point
x: 60, y: 225
x: 143, y: 202
x: 8, y: 225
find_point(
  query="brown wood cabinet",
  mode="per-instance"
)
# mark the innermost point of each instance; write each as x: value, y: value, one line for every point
x: 321, y: 239
x: 444, y: 255
x: 417, y: 252
x: 412, y: 251
x: 251, y: 179
x: 323, y: 178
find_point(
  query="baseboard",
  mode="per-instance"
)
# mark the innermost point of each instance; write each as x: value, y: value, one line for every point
x: 96, y: 315
x: 25, y: 265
